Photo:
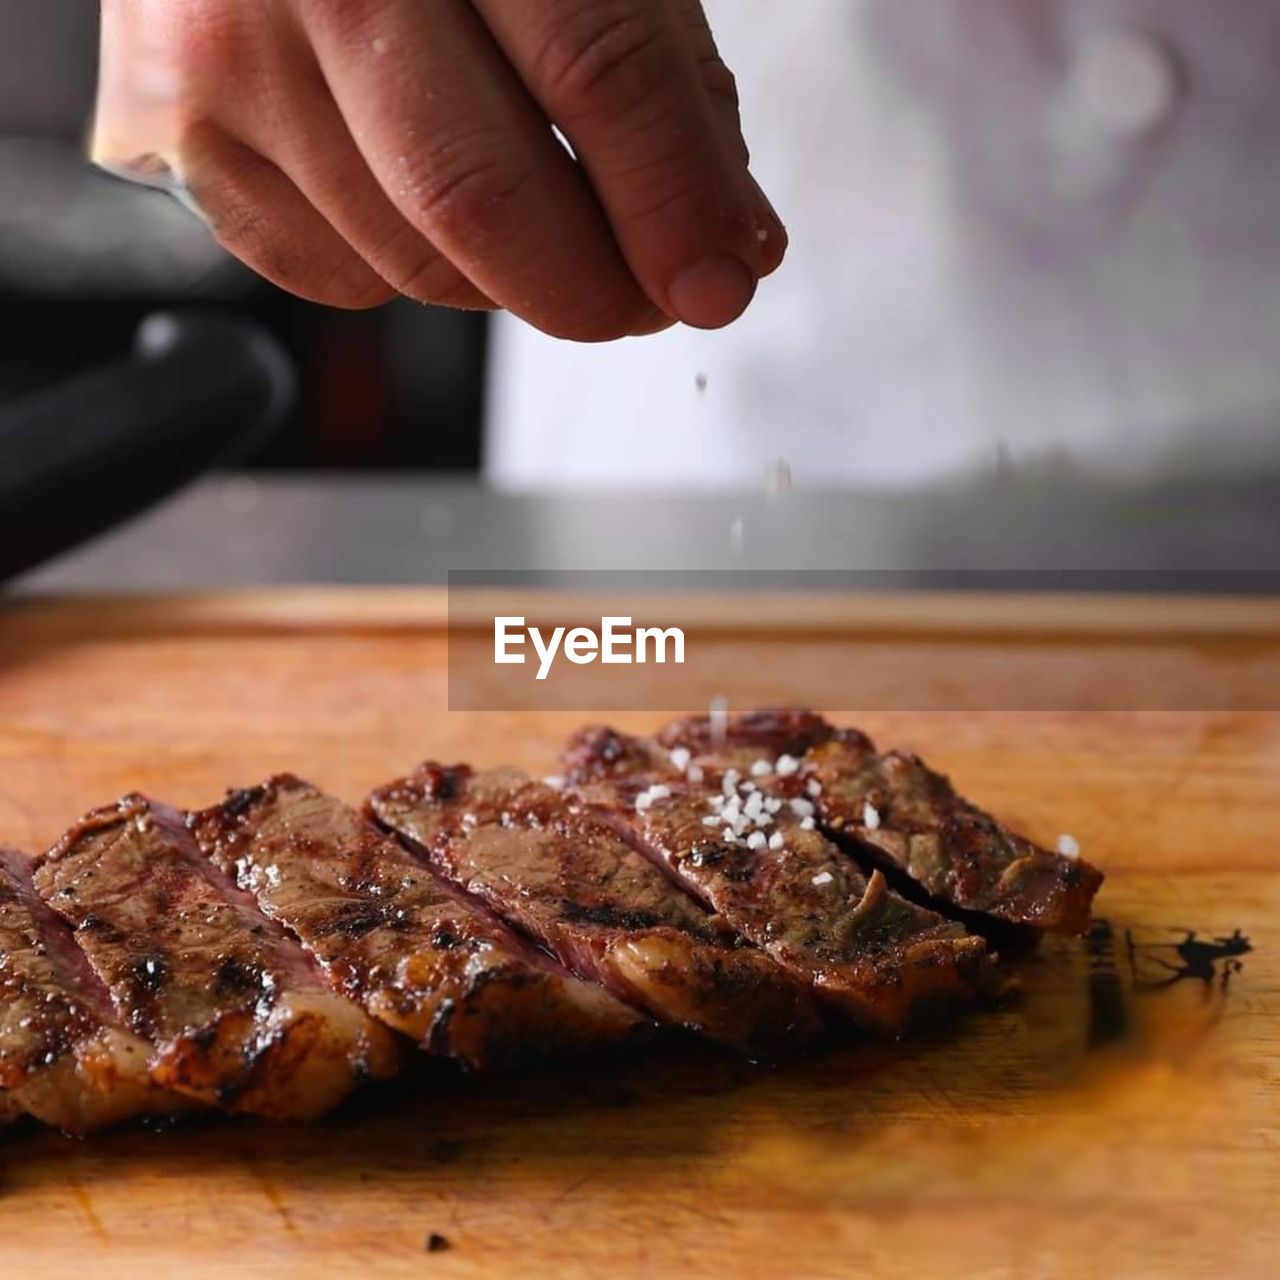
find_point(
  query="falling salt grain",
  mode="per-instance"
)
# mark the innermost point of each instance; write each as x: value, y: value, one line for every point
x: 1068, y: 846
x: 643, y: 801
x: 823, y: 877
x: 777, y: 479
x: 700, y: 382
x: 719, y: 717
x: 554, y: 781
x: 870, y: 816
x: 680, y: 758
x: 737, y: 534
x: 813, y: 787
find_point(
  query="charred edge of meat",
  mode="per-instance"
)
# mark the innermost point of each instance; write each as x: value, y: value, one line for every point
x: 774, y: 731
x: 221, y: 823
x: 599, y: 752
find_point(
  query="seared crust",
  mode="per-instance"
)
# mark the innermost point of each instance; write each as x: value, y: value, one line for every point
x: 63, y: 1056
x: 570, y: 882
x: 918, y: 828
x: 413, y: 951
x: 870, y: 954
x: 238, y: 1015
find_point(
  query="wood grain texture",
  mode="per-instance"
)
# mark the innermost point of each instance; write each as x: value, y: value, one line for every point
x: 1104, y: 1125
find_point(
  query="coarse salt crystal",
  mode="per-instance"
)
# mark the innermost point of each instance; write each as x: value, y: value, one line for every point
x: 733, y: 810
x: 755, y: 803
x: 823, y: 877
x: 756, y: 840
x: 659, y: 792
x: 760, y: 768
x: 813, y: 787
x: 785, y: 766
x: 772, y: 804
x: 776, y: 841
x: 747, y: 787
x: 729, y: 835
x: 764, y: 820
x: 806, y: 824
x: 870, y: 816
x: 711, y: 820
x: 680, y: 758
x: 695, y: 774
x: 643, y: 801
x: 1068, y: 846
x: 801, y: 808
x: 554, y: 781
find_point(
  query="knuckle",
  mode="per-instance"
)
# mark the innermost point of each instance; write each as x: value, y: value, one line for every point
x: 467, y: 193
x: 607, y: 59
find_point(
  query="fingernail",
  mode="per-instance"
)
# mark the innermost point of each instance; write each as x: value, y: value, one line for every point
x: 712, y: 293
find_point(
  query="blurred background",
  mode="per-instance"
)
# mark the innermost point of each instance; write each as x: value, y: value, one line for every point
x: 1030, y: 319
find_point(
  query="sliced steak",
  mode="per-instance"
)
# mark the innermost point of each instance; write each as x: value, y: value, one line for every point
x: 576, y: 887
x: 239, y: 1015
x: 767, y: 870
x: 894, y: 810
x: 414, y: 951
x: 64, y: 1058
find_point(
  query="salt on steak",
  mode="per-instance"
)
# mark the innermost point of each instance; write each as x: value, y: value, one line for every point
x: 64, y: 1058
x: 896, y: 813
x: 239, y: 1016
x: 576, y: 887
x: 411, y: 949
x: 759, y: 861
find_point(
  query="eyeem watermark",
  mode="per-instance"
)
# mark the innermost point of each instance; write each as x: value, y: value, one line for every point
x: 618, y: 643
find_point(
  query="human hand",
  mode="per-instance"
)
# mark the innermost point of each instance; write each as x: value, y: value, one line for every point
x: 349, y: 150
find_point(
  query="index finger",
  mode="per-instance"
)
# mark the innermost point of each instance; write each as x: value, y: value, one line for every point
x: 621, y: 80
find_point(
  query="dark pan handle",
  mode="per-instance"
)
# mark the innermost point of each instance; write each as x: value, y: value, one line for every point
x: 198, y: 389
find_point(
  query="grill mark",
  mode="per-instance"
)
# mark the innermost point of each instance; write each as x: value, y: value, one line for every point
x: 414, y: 949
x: 239, y: 1013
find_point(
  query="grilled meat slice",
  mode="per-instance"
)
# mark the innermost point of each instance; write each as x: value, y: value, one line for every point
x: 762, y: 865
x: 892, y: 809
x: 571, y: 883
x: 415, y: 952
x: 239, y: 1015
x: 64, y: 1058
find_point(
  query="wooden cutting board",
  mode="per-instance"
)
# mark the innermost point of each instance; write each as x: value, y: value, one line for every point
x: 1122, y: 1119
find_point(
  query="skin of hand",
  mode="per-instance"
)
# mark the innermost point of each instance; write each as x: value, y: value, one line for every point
x: 352, y: 150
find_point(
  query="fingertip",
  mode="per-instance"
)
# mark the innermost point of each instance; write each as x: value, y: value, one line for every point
x: 713, y: 292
